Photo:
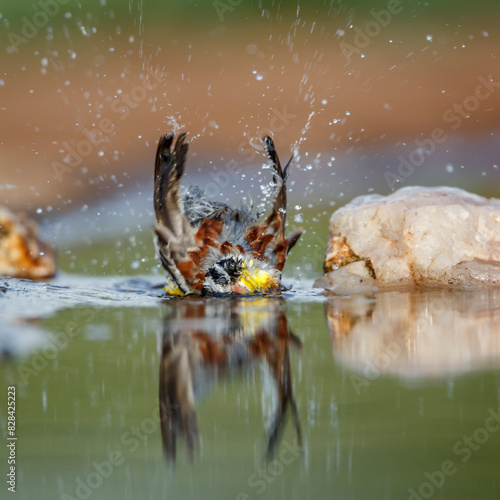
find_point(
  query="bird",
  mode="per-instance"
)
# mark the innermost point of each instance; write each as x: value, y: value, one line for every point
x: 208, y: 247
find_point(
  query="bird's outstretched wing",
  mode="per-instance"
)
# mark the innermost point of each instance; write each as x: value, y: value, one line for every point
x: 278, y: 215
x: 174, y: 232
x: 276, y: 221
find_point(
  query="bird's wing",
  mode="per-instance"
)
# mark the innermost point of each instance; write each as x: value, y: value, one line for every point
x: 277, y: 218
x: 276, y: 221
x: 174, y: 232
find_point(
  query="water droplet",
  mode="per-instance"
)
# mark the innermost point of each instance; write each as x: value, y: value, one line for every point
x: 251, y: 48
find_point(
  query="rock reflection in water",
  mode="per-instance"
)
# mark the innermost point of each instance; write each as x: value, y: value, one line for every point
x: 419, y: 333
x: 206, y: 338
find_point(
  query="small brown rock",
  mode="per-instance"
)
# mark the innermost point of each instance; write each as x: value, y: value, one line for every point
x: 22, y: 253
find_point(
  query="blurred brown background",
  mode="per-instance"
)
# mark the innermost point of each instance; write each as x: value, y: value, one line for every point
x: 357, y: 81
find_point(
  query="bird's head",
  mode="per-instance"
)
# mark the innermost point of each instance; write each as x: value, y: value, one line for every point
x: 237, y: 274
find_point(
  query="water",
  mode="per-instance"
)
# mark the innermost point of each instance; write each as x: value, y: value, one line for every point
x: 295, y: 396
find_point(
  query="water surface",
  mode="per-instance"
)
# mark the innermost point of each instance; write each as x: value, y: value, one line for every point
x: 301, y: 395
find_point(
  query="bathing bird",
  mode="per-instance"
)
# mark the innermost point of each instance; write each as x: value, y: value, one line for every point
x: 208, y: 247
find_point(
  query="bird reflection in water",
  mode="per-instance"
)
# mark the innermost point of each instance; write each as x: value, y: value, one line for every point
x: 206, y: 338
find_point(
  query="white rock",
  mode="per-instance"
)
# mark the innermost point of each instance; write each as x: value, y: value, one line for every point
x: 417, y: 235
